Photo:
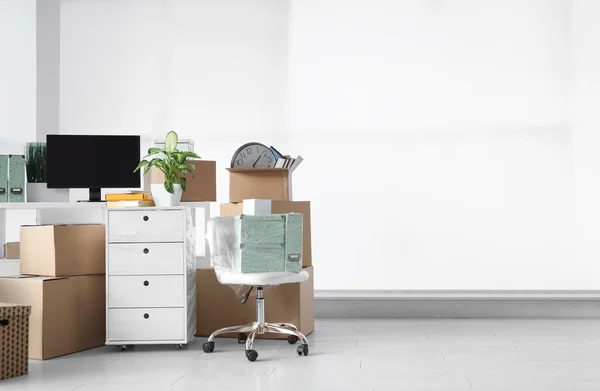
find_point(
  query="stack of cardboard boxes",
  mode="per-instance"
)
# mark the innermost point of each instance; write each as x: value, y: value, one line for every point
x: 259, y: 191
x: 62, y: 279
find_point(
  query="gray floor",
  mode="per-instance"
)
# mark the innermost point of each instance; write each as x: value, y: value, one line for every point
x: 351, y: 354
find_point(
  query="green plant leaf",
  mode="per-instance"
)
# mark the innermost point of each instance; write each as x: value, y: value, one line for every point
x: 154, y: 150
x: 169, y: 186
x: 180, y: 158
x: 183, y: 184
x: 141, y: 164
x: 191, y: 154
x: 192, y: 165
x: 171, y: 141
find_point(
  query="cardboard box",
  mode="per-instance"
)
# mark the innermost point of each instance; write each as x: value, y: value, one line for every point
x: 63, y: 250
x: 67, y: 313
x: 218, y: 305
x: 260, y: 183
x: 253, y: 207
x: 14, y: 340
x: 11, y: 250
x: 202, y: 187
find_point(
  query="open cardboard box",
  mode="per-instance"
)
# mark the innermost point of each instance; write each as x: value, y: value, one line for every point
x: 201, y: 187
x: 260, y: 183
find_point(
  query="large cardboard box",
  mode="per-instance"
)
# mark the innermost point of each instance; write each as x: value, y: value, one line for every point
x: 14, y: 340
x: 218, y: 305
x: 63, y: 250
x: 260, y: 183
x: 253, y: 207
x: 67, y: 313
x: 11, y: 250
x: 201, y: 187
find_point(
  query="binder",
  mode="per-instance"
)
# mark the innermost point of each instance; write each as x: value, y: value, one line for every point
x: 16, y: 178
x: 3, y: 178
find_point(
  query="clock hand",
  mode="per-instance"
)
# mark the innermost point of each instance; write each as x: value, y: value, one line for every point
x: 259, y: 156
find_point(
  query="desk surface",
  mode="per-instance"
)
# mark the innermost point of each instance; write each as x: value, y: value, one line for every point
x: 77, y: 205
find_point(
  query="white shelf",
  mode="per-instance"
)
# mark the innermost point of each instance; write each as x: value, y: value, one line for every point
x: 77, y: 205
x: 52, y: 205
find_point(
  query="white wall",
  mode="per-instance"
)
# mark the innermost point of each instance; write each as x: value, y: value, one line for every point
x: 18, y: 83
x: 439, y: 152
x: 583, y: 112
x: 213, y: 71
x: 17, y: 74
x: 447, y: 123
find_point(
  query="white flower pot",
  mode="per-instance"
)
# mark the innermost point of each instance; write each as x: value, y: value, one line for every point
x: 162, y: 198
x: 39, y: 192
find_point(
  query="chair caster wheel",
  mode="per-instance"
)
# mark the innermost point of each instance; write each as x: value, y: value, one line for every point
x: 251, y: 355
x: 123, y: 348
x: 242, y: 338
x: 178, y: 347
x: 292, y: 339
x: 302, y: 349
x: 208, y: 347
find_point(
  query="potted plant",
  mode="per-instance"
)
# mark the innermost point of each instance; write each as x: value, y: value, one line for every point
x: 174, y: 165
x: 37, y: 176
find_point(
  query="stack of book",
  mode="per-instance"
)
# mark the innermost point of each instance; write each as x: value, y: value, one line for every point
x: 129, y: 200
x: 286, y: 161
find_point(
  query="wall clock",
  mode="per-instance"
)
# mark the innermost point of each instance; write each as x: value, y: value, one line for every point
x: 253, y: 155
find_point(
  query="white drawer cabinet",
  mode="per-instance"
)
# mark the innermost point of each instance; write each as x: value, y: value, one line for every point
x: 129, y: 259
x: 146, y: 324
x: 151, y: 276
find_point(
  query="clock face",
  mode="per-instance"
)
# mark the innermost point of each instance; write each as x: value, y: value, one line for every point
x: 253, y: 155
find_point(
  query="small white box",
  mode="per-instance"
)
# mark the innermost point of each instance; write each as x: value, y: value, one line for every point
x: 184, y: 145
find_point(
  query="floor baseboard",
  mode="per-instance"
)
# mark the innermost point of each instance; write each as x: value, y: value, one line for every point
x: 458, y: 304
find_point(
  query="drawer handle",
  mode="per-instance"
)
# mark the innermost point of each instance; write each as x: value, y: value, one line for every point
x: 146, y: 218
x: 146, y: 283
x: 146, y: 251
x: 146, y: 316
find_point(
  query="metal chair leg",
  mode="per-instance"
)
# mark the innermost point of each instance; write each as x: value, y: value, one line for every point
x: 286, y: 325
x: 246, y: 328
x: 281, y: 330
x: 250, y: 339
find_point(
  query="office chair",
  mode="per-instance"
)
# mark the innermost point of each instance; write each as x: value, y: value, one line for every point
x: 244, y: 242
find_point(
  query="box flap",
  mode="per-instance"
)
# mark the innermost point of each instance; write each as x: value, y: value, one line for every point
x: 17, y: 277
x: 256, y: 169
x: 39, y: 278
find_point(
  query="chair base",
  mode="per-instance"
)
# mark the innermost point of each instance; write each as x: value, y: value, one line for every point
x: 251, y: 330
x: 256, y: 328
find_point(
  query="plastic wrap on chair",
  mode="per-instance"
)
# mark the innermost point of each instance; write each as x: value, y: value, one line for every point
x: 256, y: 245
x: 220, y: 233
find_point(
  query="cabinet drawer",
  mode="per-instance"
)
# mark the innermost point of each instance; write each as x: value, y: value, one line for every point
x: 146, y: 324
x: 145, y: 258
x: 145, y: 291
x: 145, y: 226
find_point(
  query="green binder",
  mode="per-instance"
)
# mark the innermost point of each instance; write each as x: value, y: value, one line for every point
x: 3, y: 178
x: 16, y: 178
x: 268, y: 243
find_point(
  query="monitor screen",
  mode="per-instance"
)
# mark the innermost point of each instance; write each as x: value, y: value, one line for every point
x: 93, y: 161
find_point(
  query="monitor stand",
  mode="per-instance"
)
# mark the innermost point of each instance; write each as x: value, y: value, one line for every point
x: 95, y: 195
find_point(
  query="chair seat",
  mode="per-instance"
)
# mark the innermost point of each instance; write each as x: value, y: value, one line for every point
x: 261, y: 279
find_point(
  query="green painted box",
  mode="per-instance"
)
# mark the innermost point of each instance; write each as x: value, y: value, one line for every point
x: 16, y: 178
x: 3, y: 178
x: 268, y: 243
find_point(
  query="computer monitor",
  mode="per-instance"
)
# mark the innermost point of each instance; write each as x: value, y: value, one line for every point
x: 94, y: 162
